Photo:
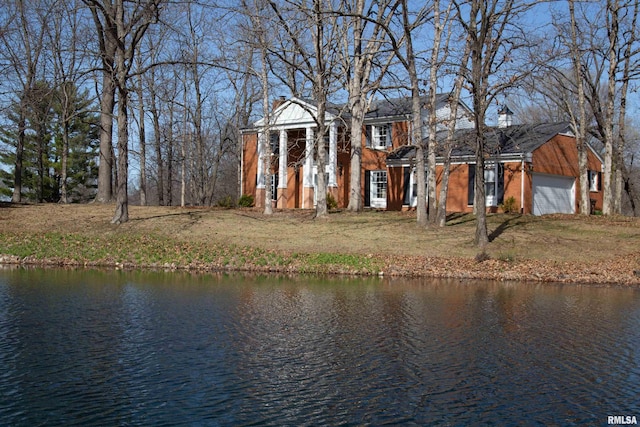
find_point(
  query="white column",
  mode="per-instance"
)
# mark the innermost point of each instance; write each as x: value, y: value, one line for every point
x: 307, y: 179
x: 333, y: 154
x: 282, y: 164
x: 261, y: 140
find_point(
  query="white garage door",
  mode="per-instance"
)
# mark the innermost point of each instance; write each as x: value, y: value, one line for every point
x: 553, y: 194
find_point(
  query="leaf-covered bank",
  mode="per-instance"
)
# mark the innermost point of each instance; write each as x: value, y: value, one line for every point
x: 571, y: 249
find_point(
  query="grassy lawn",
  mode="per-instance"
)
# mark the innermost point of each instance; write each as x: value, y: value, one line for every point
x: 368, y: 242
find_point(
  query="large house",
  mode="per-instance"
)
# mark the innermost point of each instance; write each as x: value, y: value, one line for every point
x: 536, y: 165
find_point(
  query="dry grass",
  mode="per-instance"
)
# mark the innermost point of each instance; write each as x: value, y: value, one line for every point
x: 560, y: 237
x: 590, y: 241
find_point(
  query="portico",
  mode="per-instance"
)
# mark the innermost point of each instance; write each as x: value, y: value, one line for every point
x: 287, y: 147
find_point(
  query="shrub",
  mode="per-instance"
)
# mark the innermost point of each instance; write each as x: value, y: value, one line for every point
x: 331, y: 202
x: 246, y: 201
x: 482, y: 257
x: 509, y: 205
x: 225, y: 202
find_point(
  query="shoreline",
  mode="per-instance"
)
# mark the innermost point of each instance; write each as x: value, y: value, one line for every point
x: 436, y: 268
x: 593, y: 250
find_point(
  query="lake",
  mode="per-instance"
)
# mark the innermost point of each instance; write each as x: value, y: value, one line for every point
x: 152, y: 348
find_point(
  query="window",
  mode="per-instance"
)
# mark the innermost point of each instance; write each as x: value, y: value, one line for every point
x: 379, y: 136
x: 594, y: 181
x: 274, y: 142
x: 376, y: 189
x: 379, y: 184
x: 411, y: 186
x: 493, y: 184
x: 490, y: 185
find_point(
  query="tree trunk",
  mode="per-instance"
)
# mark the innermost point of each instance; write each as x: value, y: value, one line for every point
x: 581, y: 126
x: 143, y: 148
x: 122, y: 197
x: 433, y: 118
x: 64, y: 198
x: 17, y: 172
x: 157, y: 140
x: 121, y: 74
x: 355, y: 173
x: 608, y: 187
x: 105, y: 164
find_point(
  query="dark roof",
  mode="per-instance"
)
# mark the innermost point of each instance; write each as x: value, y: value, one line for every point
x: 335, y: 109
x: 512, y: 140
x: 515, y: 139
x: 383, y: 108
x: 394, y: 107
x: 505, y: 110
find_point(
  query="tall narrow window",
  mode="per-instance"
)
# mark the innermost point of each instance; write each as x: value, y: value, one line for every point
x: 274, y: 142
x: 378, y: 189
x: 490, y: 185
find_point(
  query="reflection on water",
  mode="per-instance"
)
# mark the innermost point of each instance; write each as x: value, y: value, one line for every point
x: 114, y: 348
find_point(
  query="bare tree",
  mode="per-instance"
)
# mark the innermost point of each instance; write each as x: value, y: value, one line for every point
x: 107, y: 42
x: 580, y: 125
x: 454, y: 99
x: 365, y: 65
x: 611, y: 57
x: 440, y: 21
x: 123, y: 25
x: 494, y: 38
x: 630, y: 70
x: 314, y: 59
x: 403, y: 47
x: 142, y: 137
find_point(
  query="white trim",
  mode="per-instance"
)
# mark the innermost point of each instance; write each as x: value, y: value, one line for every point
x: 260, y: 169
x: 333, y: 154
x: 306, y: 115
x: 378, y: 202
x: 282, y: 161
x: 307, y: 179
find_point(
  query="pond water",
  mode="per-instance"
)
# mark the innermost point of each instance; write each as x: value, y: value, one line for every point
x: 115, y: 348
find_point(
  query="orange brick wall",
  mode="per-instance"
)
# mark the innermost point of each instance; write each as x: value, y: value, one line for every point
x: 250, y: 163
x: 377, y: 160
x: 560, y: 157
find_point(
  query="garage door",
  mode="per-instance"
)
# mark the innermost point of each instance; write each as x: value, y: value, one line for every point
x: 553, y: 194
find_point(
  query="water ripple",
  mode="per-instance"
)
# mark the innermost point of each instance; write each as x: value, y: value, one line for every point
x: 96, y: 349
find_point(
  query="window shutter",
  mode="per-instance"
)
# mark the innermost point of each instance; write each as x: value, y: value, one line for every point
x: 406, y: 198
x: 367, y: 136
x: 500, y: 179
x: 389, y: 135
x: 471, y: 187
x: 274, y: 190
x: 599, y: 181
x: 367, y: 188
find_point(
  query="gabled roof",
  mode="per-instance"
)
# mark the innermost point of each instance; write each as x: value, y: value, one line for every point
x: 512, y: 141
x: 400, y: 107
x: 516, y: 139
x: 294, y: 112
x: 299, y: 110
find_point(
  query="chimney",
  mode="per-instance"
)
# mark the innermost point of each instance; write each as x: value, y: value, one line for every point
x: 505, y: 117
x: 278, y: 102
